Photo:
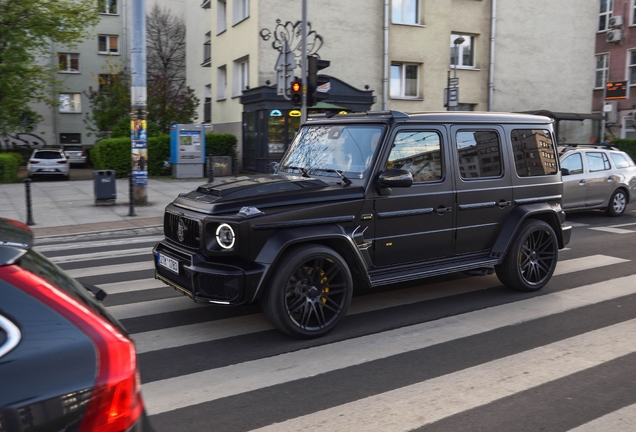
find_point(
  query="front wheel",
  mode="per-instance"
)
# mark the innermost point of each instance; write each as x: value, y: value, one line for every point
x: 310, y: 292
x: 617, y: 203
x: 531, y: 259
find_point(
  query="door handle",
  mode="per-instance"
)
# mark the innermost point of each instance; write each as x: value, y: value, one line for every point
x: 503, y: 203
x: 442, y: 210
x: 582, y: 182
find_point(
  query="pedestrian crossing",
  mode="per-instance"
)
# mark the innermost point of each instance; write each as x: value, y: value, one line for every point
x: 451, y: 351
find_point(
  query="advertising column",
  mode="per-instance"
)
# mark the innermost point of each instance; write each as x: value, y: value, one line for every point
x: 139, y: 139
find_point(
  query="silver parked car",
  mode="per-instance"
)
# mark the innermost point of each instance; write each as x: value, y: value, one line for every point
x: 75, y: 154
x: 597, y: 177
x: 48, y: 162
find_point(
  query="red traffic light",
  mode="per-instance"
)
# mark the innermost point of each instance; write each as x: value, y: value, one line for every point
x: 295, y: 86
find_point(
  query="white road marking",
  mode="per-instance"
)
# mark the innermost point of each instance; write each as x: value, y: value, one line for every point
x: 98, y: 243
x: 132, y: 286
x: 586, y: 263
x: 111, y: 269
x: 102, y: 255
x: 613, y: 230
x: 153, y: 307
x: 623, y: 419
x: 179, y: 392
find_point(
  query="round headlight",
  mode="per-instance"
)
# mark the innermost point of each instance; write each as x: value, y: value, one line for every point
x: 225, y: 236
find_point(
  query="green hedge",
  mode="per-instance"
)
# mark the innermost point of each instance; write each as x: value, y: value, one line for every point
x: 24, y: 152
x: 114, y: 153
x: 626, y: 145
x: 9, y: 165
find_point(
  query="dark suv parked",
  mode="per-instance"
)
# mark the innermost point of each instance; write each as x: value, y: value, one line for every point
x: 365, y: 200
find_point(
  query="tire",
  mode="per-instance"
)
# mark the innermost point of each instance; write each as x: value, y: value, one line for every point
x: 617, y: 203
x: 309, y: 293
x: 531, y: 258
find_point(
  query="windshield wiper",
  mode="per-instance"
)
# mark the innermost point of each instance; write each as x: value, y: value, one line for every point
x: 302, y: 170
x: 346, y: 181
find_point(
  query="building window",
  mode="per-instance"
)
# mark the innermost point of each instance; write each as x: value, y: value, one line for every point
x: 241, y: 10
x: 206, y: 4
x: 70, y: 102
x: 405, y: 11
x: 462, y: 48
x: 602, y: 69
x: 241, y: 76
x: 632, y: 67
x: 633, y: 12
x: 108, y: 44
x: 106, y: 81
x: 68, y: 63
x: 207, y: 104
x: 107, y: 7
x: 207, y: 50
x: 605, y: 14
x: 221, y: 83
x: 70, y: 138
x: 221, y: 20
x: 404, y: 80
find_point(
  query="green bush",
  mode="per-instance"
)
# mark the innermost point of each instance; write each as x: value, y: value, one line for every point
x: 626, y: 145
x: 218, y: 144
x: 9, y: 165
x: 24, y: 153
x: 115, y: 154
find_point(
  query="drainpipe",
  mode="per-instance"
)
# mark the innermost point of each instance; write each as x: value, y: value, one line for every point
x: 491, y: 73
x: 385, y: 76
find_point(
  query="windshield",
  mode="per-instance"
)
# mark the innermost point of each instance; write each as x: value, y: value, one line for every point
x: 323, y: 150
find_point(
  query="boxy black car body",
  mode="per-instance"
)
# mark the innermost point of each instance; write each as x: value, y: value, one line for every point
x: 367, y: 200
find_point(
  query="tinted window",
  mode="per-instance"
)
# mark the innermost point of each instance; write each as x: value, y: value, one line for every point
x: 574, y: 163
x: 534, y: 153
x: 597, y: 161
x: 73, y: 148
x: 418, y: 152
x: 620, y: 160
x: 47, y: 155
x: 479, y: 154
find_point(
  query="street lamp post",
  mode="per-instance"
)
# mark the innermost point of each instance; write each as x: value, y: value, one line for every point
x: 457, y: 42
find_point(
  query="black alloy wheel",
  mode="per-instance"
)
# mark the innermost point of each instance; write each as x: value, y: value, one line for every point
x: 310, y: 292
x: 531, y: 258
x: 617, y: 203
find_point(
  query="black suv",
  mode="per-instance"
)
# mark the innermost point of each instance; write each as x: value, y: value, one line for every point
x: 371, y: 199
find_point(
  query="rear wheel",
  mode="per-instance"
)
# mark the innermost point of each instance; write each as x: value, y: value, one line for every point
x: 531, y: 259
x: 617, y: 203
x: 310, y: 292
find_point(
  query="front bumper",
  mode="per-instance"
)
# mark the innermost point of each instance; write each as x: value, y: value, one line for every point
x: 209, y: 282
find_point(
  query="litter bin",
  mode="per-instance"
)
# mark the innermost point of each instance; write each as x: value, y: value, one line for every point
x: 105, y: 187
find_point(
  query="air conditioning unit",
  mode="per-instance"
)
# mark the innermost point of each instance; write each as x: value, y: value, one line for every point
x: 616, y: 21
x: 614, y: 36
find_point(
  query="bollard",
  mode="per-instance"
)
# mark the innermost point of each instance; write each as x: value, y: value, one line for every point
x: 27, y: 186
x: 131, y: 198
x: 210, y: 169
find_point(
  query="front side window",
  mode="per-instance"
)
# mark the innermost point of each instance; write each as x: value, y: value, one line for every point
x: 241, y: 76
x: 405, y: 11
x: 605, y: 14
x: 68, y: 63
x: 479, y: 154
x: 329, y: 150
x: 221, y: 23
x: 573, y: 163
x: 462, y: 51
x: 404, y: 80
x: 418, y: 152
x: 241, y: 10
x: 70, y: 102
x: 108, y: 44
x: 108, y: 7
x: 597, y: 161
x: 536, y: 142
x: 602, y: 68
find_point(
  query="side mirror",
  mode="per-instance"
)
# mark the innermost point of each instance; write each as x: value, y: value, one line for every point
x: 395, y: 178
x: 565, y: 171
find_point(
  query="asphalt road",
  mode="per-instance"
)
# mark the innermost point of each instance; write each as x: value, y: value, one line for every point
x: 454, y: 353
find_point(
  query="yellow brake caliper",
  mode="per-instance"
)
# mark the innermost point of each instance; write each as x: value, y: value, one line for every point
x: 323, y: 280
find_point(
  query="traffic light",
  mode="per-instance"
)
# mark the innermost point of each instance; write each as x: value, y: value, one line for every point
x: 314, y: 82
x: 296, y: 93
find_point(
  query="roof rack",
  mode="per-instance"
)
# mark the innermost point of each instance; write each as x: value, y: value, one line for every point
x: 568, y: 147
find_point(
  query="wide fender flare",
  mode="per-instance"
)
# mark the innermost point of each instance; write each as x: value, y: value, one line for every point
x: 284, y: 239
x: 518, y: 215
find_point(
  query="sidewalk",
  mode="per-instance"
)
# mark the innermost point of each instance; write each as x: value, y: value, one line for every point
x: 68, y: 207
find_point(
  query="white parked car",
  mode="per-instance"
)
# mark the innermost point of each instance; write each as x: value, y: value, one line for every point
x: 597, y: 177
x: 48, y: 162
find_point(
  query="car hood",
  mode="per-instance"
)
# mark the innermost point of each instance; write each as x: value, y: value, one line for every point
x: 264, y: 191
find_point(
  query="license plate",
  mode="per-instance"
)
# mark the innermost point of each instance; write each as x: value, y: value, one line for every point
x: 168, y: 263
x: 49, y: 170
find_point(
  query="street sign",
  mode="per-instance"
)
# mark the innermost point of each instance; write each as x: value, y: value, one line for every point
x: 453, y: 97
x: 285, y: 64
x: 453, y: 82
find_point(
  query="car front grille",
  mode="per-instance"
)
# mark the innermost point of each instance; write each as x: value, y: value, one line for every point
x: 215, y: 287
x: 191, y: 230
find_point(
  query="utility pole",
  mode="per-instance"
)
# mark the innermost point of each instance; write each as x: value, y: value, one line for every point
x: 138, y: 123
x: 303, y: 64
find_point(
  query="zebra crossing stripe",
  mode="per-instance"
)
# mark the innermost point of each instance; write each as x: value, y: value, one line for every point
x: 98, y: 243
x: 613, y: 230
x: 111, y: 269
x: 432, y: 400
x: 102, y: 255
x: 586, y: 263
x: 623, y: 419
x: 153, y: 307
x: 128, y: 286
x: 179, y: 392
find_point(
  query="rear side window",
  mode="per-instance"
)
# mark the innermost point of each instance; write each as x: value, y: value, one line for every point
x: 479, y: 154
x: 597, y: 161
x: 48, y: 155
x: 418, y: 152
x: 534, y: 152
x: 620, y: 160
